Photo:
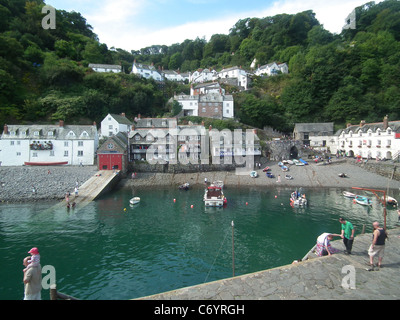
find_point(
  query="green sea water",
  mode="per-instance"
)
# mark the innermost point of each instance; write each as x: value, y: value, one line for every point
x: 102, y: 251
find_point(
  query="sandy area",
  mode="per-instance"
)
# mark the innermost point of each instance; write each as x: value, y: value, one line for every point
x: 311, y: 176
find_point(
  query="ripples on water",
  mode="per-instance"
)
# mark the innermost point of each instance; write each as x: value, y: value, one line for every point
x: 103, y: 252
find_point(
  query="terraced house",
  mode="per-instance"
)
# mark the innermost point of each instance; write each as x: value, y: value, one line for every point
x: 48, y: 144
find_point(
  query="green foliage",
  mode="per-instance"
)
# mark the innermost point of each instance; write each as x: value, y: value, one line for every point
x: 340, y: 78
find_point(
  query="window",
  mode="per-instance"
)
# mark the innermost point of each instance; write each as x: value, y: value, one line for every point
x: 203, y: 110
x: 11, y: 143
x: 216, y: 110
x: 80, y: 143
x: 80, y: 153
x: 137, y: 137
x: 51, y: 153
x: 110, y: 127
x: 65, y: 143
x: 65, y: 153
x: 18, y: 154
x: 34, y: 155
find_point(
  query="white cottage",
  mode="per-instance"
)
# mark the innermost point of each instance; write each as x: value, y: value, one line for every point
x: 146, y: 71
x: 48, y: 144
x: 114, y: 123
x: 240, y: 75
x: 272, y: 69
x: 105, y: 67
x: 379, y: 140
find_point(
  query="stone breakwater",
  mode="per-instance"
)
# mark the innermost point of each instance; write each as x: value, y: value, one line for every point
x: 50, y: 182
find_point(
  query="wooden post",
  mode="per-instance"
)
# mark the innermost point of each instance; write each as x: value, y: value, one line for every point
x: 53, y: 292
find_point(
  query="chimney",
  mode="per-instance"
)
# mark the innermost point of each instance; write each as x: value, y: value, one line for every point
x: 348, y: 125
x: 138, y: 116
x: 385, y: 122
x: 61, y: 123
x: 133, y: 127
x: 210, y: 127
x: 94, y: 123
x: 5, y: 131
x: 362, y: 123
x: 123, y: 114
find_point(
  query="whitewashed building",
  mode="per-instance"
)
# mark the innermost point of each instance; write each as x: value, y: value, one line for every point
x: 272, y: 69
x: 379, y: 140
x: 114, y: 123
x: 74, y: 144
x: 241, y: 76
x: 319, y: 136
x: 105, y: 67
x: 202, y: 75
x: 146, y: 71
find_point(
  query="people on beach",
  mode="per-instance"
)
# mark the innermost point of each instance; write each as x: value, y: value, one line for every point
x: 32, y: 281
x: 323, y: 246
x: 377, y: 246
x: 76, y: 191
x: 34, y: 260
x: 347, y: 234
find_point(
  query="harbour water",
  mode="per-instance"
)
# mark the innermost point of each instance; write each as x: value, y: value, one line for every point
x: 111, y: 250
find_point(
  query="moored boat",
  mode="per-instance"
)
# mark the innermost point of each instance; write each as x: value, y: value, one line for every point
x: 364, y: 201
x: 253, y: 174
x: 45, y: 163
x: 390, y: 201
x: 184, y: 186
x: 284, y: 168
x: 288, y: 177
x: 303, y: 161
x: 134, y: 200
x: 214, y: 196
x: 297, y: 199
x: 348, y: 194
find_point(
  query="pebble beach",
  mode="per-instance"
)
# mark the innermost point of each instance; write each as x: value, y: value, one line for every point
x: 52, y: 182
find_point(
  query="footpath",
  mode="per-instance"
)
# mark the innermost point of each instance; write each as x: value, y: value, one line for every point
x: 336, y: 277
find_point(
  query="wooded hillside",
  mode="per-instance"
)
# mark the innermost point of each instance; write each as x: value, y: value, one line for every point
x: 341, y: 78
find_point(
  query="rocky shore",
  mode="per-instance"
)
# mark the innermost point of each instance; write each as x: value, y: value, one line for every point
x: 52, y: 182
x: 49, y: 182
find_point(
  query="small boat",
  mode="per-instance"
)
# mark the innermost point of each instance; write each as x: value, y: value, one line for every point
x: 134, y: 200
x: 214, y: 196
x: 349, y: 194
x: 184, y: 186
x: 44, y: 163
x: 266, y: 169
x: 289, y: 161
x: 253, y: 174
x: 297, y: 162
x: 342, y: 175
x: 390, y: 201
x: 270, y: 175
x: 364, y: 201
x: 280, y: 164
x: 303, y: 161
x: 297, y: 199
x: 284, y: 168
x: 288, y: 177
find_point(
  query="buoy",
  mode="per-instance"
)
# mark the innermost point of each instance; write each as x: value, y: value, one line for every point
x: 276, y: 197
x: 191, y: 206
x: 247, y: 203
x: 124, y: 209
x: 174, y: 200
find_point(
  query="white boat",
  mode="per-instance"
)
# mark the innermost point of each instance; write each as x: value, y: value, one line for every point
x: 214, y: 196
x: 297, y: 162
x: 134, y: 200
x: 364, y: 201
x: 297, y: 199
x: 284, y: 168
x: 184, y: 186
x: 253, y: 174
x: 349, y: 194
x: 288, y: 177
x: 390, y: 201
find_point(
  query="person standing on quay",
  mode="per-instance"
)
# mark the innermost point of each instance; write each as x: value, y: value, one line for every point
x: 347, y: 234
x: 32, y: 281
x: 378, y: 245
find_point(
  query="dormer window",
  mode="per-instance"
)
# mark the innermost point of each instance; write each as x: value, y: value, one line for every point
x: 36, y: 133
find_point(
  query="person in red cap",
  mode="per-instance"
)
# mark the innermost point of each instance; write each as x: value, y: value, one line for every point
x: 35, y: 259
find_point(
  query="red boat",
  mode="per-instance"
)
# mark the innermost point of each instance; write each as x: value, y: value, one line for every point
x: 45, y: 163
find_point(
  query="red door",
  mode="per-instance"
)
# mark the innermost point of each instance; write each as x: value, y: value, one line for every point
x: 110, y: 161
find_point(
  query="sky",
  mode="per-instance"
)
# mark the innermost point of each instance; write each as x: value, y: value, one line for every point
x: 136, y: 24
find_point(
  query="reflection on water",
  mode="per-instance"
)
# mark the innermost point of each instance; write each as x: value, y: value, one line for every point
x: 103, y: 251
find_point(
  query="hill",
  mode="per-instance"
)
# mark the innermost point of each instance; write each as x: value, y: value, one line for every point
x: 44, y: 74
